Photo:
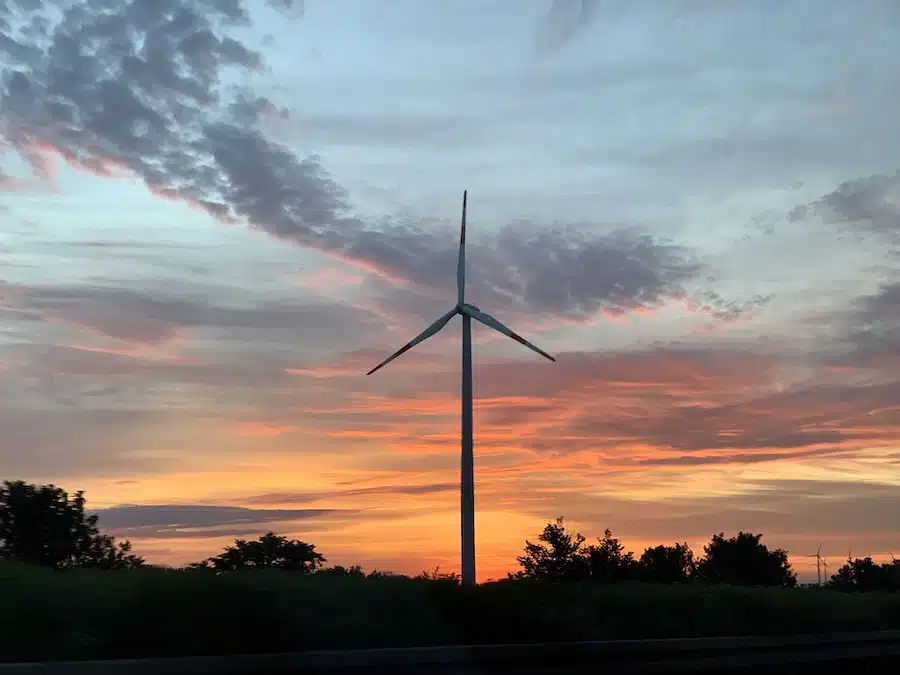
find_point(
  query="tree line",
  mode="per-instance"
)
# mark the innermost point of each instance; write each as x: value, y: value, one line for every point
x: 45, y: 526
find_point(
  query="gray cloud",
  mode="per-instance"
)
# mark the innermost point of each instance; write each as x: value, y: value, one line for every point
x: 882, y: 306
x: 378, y: 490
x: 564, y: 21
x: 154, y: 317
x: 143, y: 88
x: 812, y: 416
x: 77, y: 442
x: 183, y: 521
x: 380, y: 130
x: 772, y: 155
x: 295, y: 7
x: 868, y: 205
x: 869, y: 332
x: 831, y: 509
x: 164, y: 257
x: 833, y: 115
x: 224, y: 372
x: 147, y: 524
x: 727, y: 309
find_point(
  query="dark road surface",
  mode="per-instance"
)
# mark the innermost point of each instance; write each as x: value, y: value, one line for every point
x: 873, y: 652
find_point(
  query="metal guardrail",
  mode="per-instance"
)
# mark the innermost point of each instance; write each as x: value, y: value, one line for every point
x: 633, y: 656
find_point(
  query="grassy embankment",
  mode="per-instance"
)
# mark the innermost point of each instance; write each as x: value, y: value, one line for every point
x: 49, y: 615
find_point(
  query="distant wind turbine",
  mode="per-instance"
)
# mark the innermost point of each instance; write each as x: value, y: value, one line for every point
x: 467, y: 312
x: 819, y: 562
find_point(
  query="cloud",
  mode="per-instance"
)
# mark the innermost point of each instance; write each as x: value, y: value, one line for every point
x: 870, y: 337
x: 181, y: 521
x: 883, y: 306
x: 157, y: 104
x: 867, y: 205
x: 685, y: 116
x: 564, y: 20
x: 415, y: 490
x: 353, y: 364
x: 106, y: 379
x: 296, y: 8
x: 154, y: 317
x: 801, y: 509
x: 742, y: 458
x: 379, y: 131
x: 809, y: 416
x: 78, y: 442
x: 666, y: 406
x: 729, y: 310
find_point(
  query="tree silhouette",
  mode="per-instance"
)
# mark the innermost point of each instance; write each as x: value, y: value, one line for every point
x: 269, y: 551
x: 865, y: 575
x: 562, y: 554
x: 558, y: 555
x: 744, y: 561
x: 42, y: 525
x: 607, y: 560
x: 667, y: 564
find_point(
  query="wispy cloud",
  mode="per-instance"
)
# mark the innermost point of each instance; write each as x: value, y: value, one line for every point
x: 565, y: 20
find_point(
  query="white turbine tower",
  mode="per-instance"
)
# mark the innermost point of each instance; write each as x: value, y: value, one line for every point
x: 467, y: 312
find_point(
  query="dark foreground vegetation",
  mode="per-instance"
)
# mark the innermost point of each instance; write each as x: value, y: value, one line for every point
x: 70, y: 592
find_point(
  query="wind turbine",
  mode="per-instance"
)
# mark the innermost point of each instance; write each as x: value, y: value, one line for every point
x: 467, y: 463
x: 819, y: 561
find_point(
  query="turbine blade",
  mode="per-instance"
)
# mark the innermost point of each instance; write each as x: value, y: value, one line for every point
x: 491, y: 322
x: 461, y: 262
x: 421, y: 337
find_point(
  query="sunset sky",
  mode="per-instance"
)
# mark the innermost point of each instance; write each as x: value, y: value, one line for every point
x: 215, y: 221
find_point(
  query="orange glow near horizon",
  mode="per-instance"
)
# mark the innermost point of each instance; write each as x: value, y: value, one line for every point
x: 660, y: 447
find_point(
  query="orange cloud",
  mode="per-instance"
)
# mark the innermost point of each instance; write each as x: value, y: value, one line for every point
x: 329, y: 278
x: 132, y: 351
x: 44, y: 160
x: 360, y: 361
x: 680, y: 407
x: 263, y: 429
